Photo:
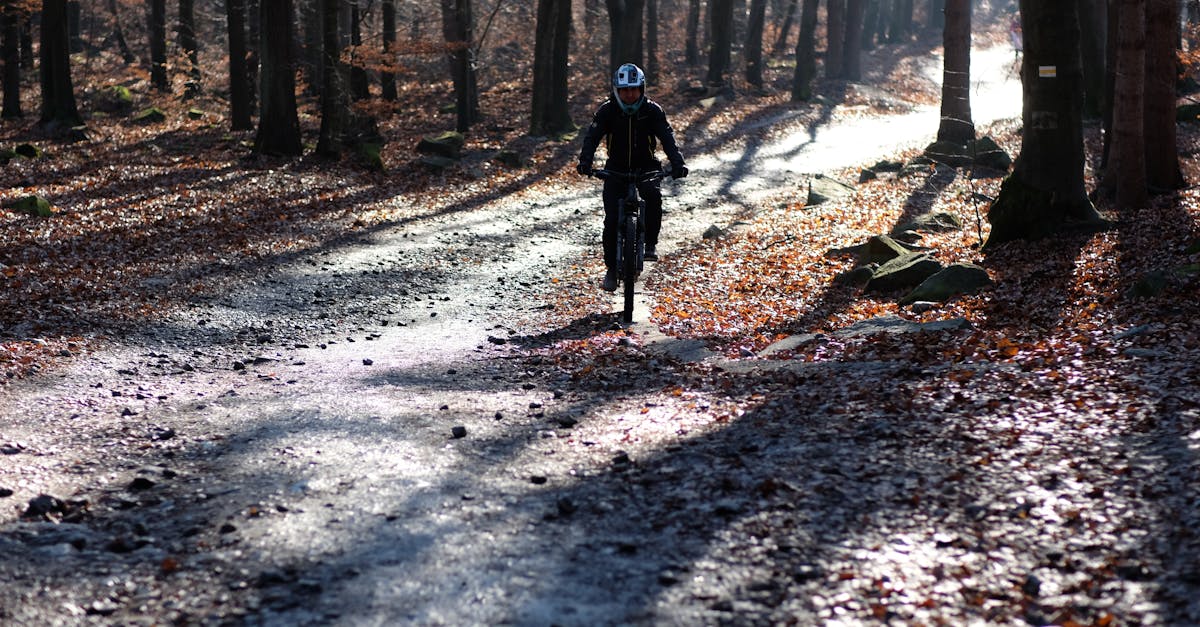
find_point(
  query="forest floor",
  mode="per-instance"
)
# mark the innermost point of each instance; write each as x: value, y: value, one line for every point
x: 249, y: 391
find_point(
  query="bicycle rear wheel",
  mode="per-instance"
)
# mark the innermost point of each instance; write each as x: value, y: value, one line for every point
x: 629, y: 263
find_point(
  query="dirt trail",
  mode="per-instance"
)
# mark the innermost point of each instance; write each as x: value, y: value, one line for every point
x: 364, y: 437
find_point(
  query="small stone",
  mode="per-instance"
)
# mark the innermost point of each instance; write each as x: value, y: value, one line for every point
x: 367, y: 362
x: 141, y: 483
x: 227, y: 528
x: 5, y: 493
x: 459, y: 432
x: 537, y: 479
x: 566, y: 507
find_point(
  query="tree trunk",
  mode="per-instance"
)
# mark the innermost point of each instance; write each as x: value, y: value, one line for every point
x: 334, y: 99
x: 936, y: 16
x: 239, y: 88
x: 551, y: 113
x: 360, y: 83
x: 1126, y: 171
x: 719, y: 55
x: 782, y: 39
x: 692, y: 43
x: 158, y: 46
x: 254, y: 13
x: 900, y: 29
x: 187, y: 42
x: 652, y: 71
x: 279, y: 123
x: 852, y: 46
x: 806, y: 53
x: 1045, y: 192
x: 387, y: 79
x: 1162, y: 154
x: 1093, y: 16
x: 835, y: 34
x: 12, y: 61
x: 870, y: 24
x: 625, y: 32
x: 754, y: 39
x: 458, y: 30
x: 26, y: 28
x: 311, y: 59
x: 58, y: 93
x: 119, y: 34
x: 957, y: 125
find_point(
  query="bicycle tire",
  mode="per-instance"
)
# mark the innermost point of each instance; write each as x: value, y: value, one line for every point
x: 629, y: 266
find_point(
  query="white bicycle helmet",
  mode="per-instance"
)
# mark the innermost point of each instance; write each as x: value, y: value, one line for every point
x: 629, y: 75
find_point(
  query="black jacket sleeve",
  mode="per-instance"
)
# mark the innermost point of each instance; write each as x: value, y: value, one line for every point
x: 594, y: 133
x: 666, y: 136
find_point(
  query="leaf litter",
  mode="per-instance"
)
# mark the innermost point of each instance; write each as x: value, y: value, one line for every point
x: 1037, y: 466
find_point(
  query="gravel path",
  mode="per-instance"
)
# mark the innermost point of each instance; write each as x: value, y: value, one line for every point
x: 372, y: 435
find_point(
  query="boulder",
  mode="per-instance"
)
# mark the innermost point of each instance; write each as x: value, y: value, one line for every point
x: 1188, y: 113
x: 822, y: 188
x: 437, y: 162
x: 115, y: 99
x: 881, y: 249
x: 510, y: 158
x: 27, y: 150
x: 954, y: 280
x: 932, y: 222
x: 448, y: 144
x: 858, y: 277
x: 903, y: 272
x: 950, y: 153
x: 917, y: 165
x: 32, y: 205
x: 989, y: 154
x: 152, y: 115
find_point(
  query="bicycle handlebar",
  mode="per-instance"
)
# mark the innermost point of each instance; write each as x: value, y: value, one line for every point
x: 637, y: 176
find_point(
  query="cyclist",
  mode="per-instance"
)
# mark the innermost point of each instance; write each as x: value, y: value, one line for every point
x: 632, y: 124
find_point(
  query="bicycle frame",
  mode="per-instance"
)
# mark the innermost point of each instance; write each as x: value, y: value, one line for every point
x: 631, y: 232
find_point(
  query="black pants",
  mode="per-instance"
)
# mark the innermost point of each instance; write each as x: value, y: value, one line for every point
x: 614, y: 191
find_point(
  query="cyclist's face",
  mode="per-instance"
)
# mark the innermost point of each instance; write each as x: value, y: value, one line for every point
x: 629, y: 95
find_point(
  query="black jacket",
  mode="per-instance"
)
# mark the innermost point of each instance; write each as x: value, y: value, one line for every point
x: 631, y: 139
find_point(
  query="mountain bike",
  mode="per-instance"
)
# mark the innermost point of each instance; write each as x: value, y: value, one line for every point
x: 631, y: 235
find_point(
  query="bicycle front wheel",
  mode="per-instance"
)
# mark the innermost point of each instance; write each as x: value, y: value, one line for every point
x: 629, y: 265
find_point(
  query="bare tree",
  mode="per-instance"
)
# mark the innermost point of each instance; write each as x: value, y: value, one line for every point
x: 239, y: 86
x: 806, y: 54
x: 335, y: 105
x: 835, y: 32
x: 551, y: 113
x: 158, y: 45
x: 187, y: 42
x: 720, y: 53
x: 625, y: 32
x: 58, y: 93
x: 754, y: 39
x: 1162, y: 155
x: 956, y: 125
x: 387, y: 79
x: 1045, y: 192
x: 692, y: 40
x: 12, y: 60
x: 279, y: 123
x: 458, y: 30
x: 1126, y: 171
x: 852, y: 48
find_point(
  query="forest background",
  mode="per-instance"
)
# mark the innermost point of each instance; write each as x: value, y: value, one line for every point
x: 147, y: 179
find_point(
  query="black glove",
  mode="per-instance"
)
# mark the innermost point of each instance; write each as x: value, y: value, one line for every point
x: 679, y: 171
x: 584, y: 168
